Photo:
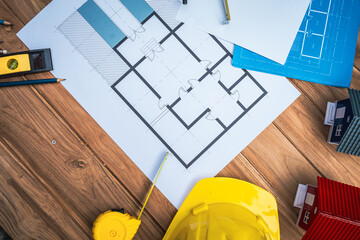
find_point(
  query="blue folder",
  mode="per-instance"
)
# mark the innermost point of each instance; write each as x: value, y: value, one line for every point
x: 323, y: 50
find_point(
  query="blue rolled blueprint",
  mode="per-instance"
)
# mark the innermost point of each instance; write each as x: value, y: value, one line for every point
x: 324, y: 48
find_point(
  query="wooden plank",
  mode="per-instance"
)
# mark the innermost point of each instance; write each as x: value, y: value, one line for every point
x: 26, y: 9
x: 71, y: 173
x: 89, y: 132
x: 241, y: 168
x: 7, y: 34
x: 280, y: 163
x: 27, y: 208
x: 303, y: 125
x: 100, y: 143
x: 320, y: 94
x: 357, y: 55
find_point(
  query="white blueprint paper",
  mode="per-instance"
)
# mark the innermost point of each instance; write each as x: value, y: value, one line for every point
x: 164, y: 87
x: 265, y: 27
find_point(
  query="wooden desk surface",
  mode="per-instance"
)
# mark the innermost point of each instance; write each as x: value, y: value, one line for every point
x: 55, y: 191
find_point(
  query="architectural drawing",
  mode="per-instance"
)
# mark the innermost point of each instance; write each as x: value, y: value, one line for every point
x: 156, y: 85
x: 313, y: 29
x: 146, y: 56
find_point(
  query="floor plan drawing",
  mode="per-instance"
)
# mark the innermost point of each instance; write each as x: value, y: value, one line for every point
x: 152, y: 59
x: 157, y: 85
x: 313, y: 29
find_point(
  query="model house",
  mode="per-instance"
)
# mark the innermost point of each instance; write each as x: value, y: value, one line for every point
x: 344, y: 118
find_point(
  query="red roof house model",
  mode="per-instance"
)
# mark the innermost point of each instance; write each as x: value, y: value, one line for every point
x: 339, y: 212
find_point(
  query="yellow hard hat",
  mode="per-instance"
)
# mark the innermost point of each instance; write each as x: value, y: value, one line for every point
x: 115, y: 225
x: 226, y: 208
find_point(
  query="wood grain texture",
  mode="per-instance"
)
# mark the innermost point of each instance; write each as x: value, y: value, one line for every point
x: 98, y: 142
x: 69, y: 170
x: 303, y: 125
x: 281, y: 164
x: 86, y: 173
x: 357, y: 54
x: 26, y: 209
x: 320, y: 94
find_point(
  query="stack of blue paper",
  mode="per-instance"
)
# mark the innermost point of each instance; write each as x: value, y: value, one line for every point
x: 324, y: 48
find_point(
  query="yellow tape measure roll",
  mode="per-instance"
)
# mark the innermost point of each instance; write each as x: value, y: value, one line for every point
x: 118, y: 225
x: 112, y: 225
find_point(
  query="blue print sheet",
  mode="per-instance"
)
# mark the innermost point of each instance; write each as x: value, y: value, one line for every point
x: 324, y: 49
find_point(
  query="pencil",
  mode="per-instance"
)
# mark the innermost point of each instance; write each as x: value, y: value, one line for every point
x: 6, y: 23
x: 227, y: 12
x: 29, y: 82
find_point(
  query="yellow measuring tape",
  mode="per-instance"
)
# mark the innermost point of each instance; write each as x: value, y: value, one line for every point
x: 116, y: 225
x: 153, y: 185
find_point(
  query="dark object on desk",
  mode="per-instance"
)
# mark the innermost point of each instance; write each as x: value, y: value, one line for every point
x: 16, y: 64
x: 350, y: 142
x: 185, y: 2
x: 3, y: 235
x: 29, y: 82
x: 6, y: 23
x: 343, y: 117
x: 345, y: 130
